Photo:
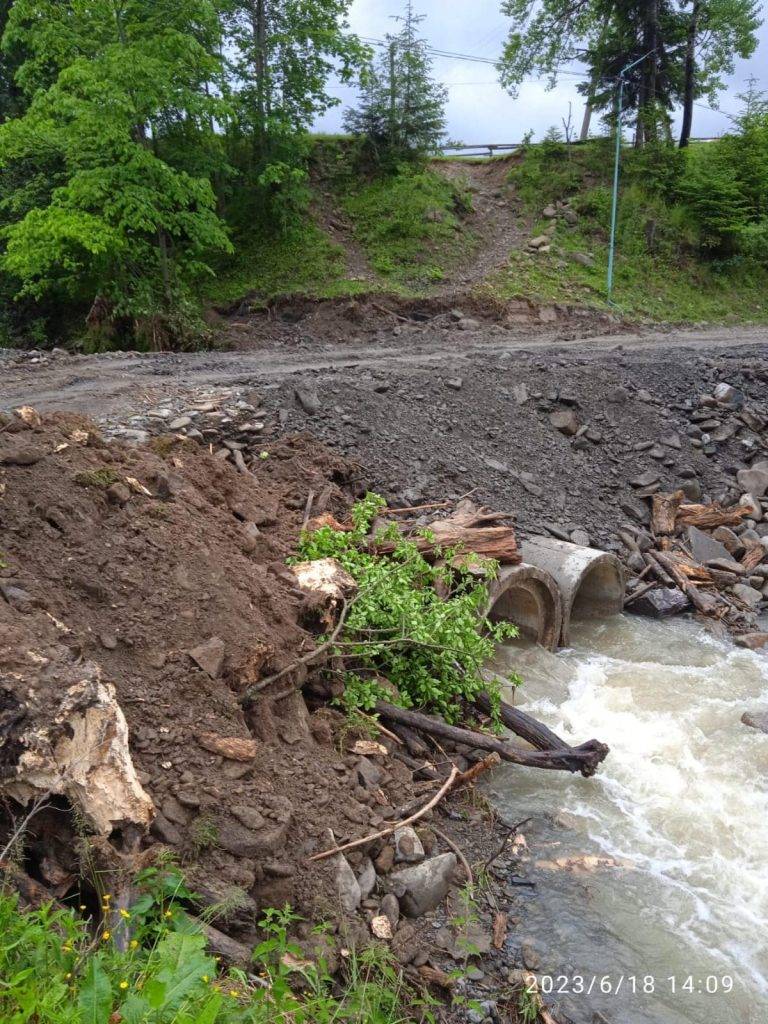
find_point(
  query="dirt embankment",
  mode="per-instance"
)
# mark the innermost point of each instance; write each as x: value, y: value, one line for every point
x: 142, y: 589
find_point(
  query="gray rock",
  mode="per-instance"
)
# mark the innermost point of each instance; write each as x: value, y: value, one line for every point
x: 408, y: 848
x: 347, y: 886
x: 564, y: 420
x: 539, y: 242
x: 660, y: 603
x: 309, y: 400
x: 180, y: 423
x: 455, y: 384
x: 704, y: 547
x: 549, y: 212
x: 583, y: 259
x: 747, y: 594
x: 755, y: 508
x: 753, y: 481
x: 581, y: 537
x: 390, y: 908
x: 728, y: 395
x: 468, y: 323
x: 366, y: 877
x: 368, y: 774
x: 647, y: 479
x: 520, y: 394
x: 756, y: 720
x: 691, y: 489
x: 422, y: 887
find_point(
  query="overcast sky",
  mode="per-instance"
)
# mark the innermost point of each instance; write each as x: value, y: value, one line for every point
x: 478, y: 109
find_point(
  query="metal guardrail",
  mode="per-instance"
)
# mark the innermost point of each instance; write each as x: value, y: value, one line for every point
x: 489, y: 148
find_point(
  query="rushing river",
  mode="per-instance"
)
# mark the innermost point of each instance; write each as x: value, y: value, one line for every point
x: 678, y: 815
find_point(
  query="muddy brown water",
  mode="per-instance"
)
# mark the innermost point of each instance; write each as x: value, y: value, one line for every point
x: 671, y: 927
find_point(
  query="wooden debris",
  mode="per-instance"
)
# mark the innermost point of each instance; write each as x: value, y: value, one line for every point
x: 664, y: 509
x: 434, y: 976
x: 499, y: 930
x: 754, y: 556
x: 557, y: 760
x: 709, y: 517
x: 475, y: 529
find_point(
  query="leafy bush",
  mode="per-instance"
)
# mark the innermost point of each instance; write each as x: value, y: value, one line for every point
x: 398, y: 626
x: 154, y: 969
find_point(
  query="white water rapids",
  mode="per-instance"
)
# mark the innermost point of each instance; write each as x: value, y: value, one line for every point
x: 682, y: 800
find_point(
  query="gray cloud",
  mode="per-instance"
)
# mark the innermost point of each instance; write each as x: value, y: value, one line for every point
x: 478, y: 108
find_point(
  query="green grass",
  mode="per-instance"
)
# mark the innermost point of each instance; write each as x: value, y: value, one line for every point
x: 299, y: 261
x: 152, y: 967
x: 669, y: 281
x: 410, y: 225
x: 645, y: 287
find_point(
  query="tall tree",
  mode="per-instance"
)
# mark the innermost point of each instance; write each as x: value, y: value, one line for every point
x: 718, y: 31
x: 687, y: 46
x: 129, y: 220
x: 402, y: 107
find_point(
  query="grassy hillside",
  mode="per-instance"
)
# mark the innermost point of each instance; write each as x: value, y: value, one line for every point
x: 664, y: 270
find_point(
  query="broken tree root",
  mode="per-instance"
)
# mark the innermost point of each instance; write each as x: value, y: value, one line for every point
x: 571, y: 759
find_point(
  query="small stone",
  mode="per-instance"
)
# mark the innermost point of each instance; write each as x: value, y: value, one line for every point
x: 119, y: 494
x: 581, y: 537
x: 248, y: 816
x: 756, y: 720
x: 366, y: 877
x: 385, y: 860
x: 408, y: 848
x: 108, y: 641
x: 564, y: 420
x: 748, y: 595
x: 209, y: 656
x: 647, y: 479
x: 753, y: 642
x: 520, y: 394
x: 583, y: 259
x: 309, y: 400
x: 704, y: 547
x: 538, y: 242
x: 753, y: 481
x: 455, y: 384
x: 549, y: 212
x: 391, y: 909
x: 180, y: 423
x: 347, y: 885
x: 467, y: 323
x: 531, y: 958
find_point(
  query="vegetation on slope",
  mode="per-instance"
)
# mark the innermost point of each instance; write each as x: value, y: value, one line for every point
x: 152, y: 967
x: 689, y: 230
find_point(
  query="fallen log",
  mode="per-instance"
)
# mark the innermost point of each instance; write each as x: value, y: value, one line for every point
x: 586, y: 757
x: 571, y: 759
x: 474, y: 529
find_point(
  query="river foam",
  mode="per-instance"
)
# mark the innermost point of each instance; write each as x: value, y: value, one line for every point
x: 683, y: 798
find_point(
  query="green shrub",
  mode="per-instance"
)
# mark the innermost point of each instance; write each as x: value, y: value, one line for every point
x: 398, y: 626
x: 153, y: 968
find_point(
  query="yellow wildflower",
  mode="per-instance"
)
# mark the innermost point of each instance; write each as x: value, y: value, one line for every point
x: 124, y: 913
x: 106, y: 936
x: 123, y: 985
x: 134, y: 943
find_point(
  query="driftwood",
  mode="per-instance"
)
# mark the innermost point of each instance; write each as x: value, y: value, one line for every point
x: 707, y: 604
x: 753, y: 557
x: 474, y: 529
x: 585, y: 758
x: 708, y: 517
x: 572, y: 759
x: 664, y: 509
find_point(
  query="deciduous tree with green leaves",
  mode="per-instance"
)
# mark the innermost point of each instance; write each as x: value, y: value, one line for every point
x: 120, y: 105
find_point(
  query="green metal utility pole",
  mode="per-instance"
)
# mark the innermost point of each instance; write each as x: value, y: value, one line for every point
x: 616, y: 160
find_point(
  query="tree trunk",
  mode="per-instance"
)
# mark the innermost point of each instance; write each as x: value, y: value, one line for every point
x: 690, y: 75
x: 646, y: 115
x: 259, y: 30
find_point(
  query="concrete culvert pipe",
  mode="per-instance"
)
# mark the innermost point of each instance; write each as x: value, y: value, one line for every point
x: 529, y: 598
x: 591, y: 582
